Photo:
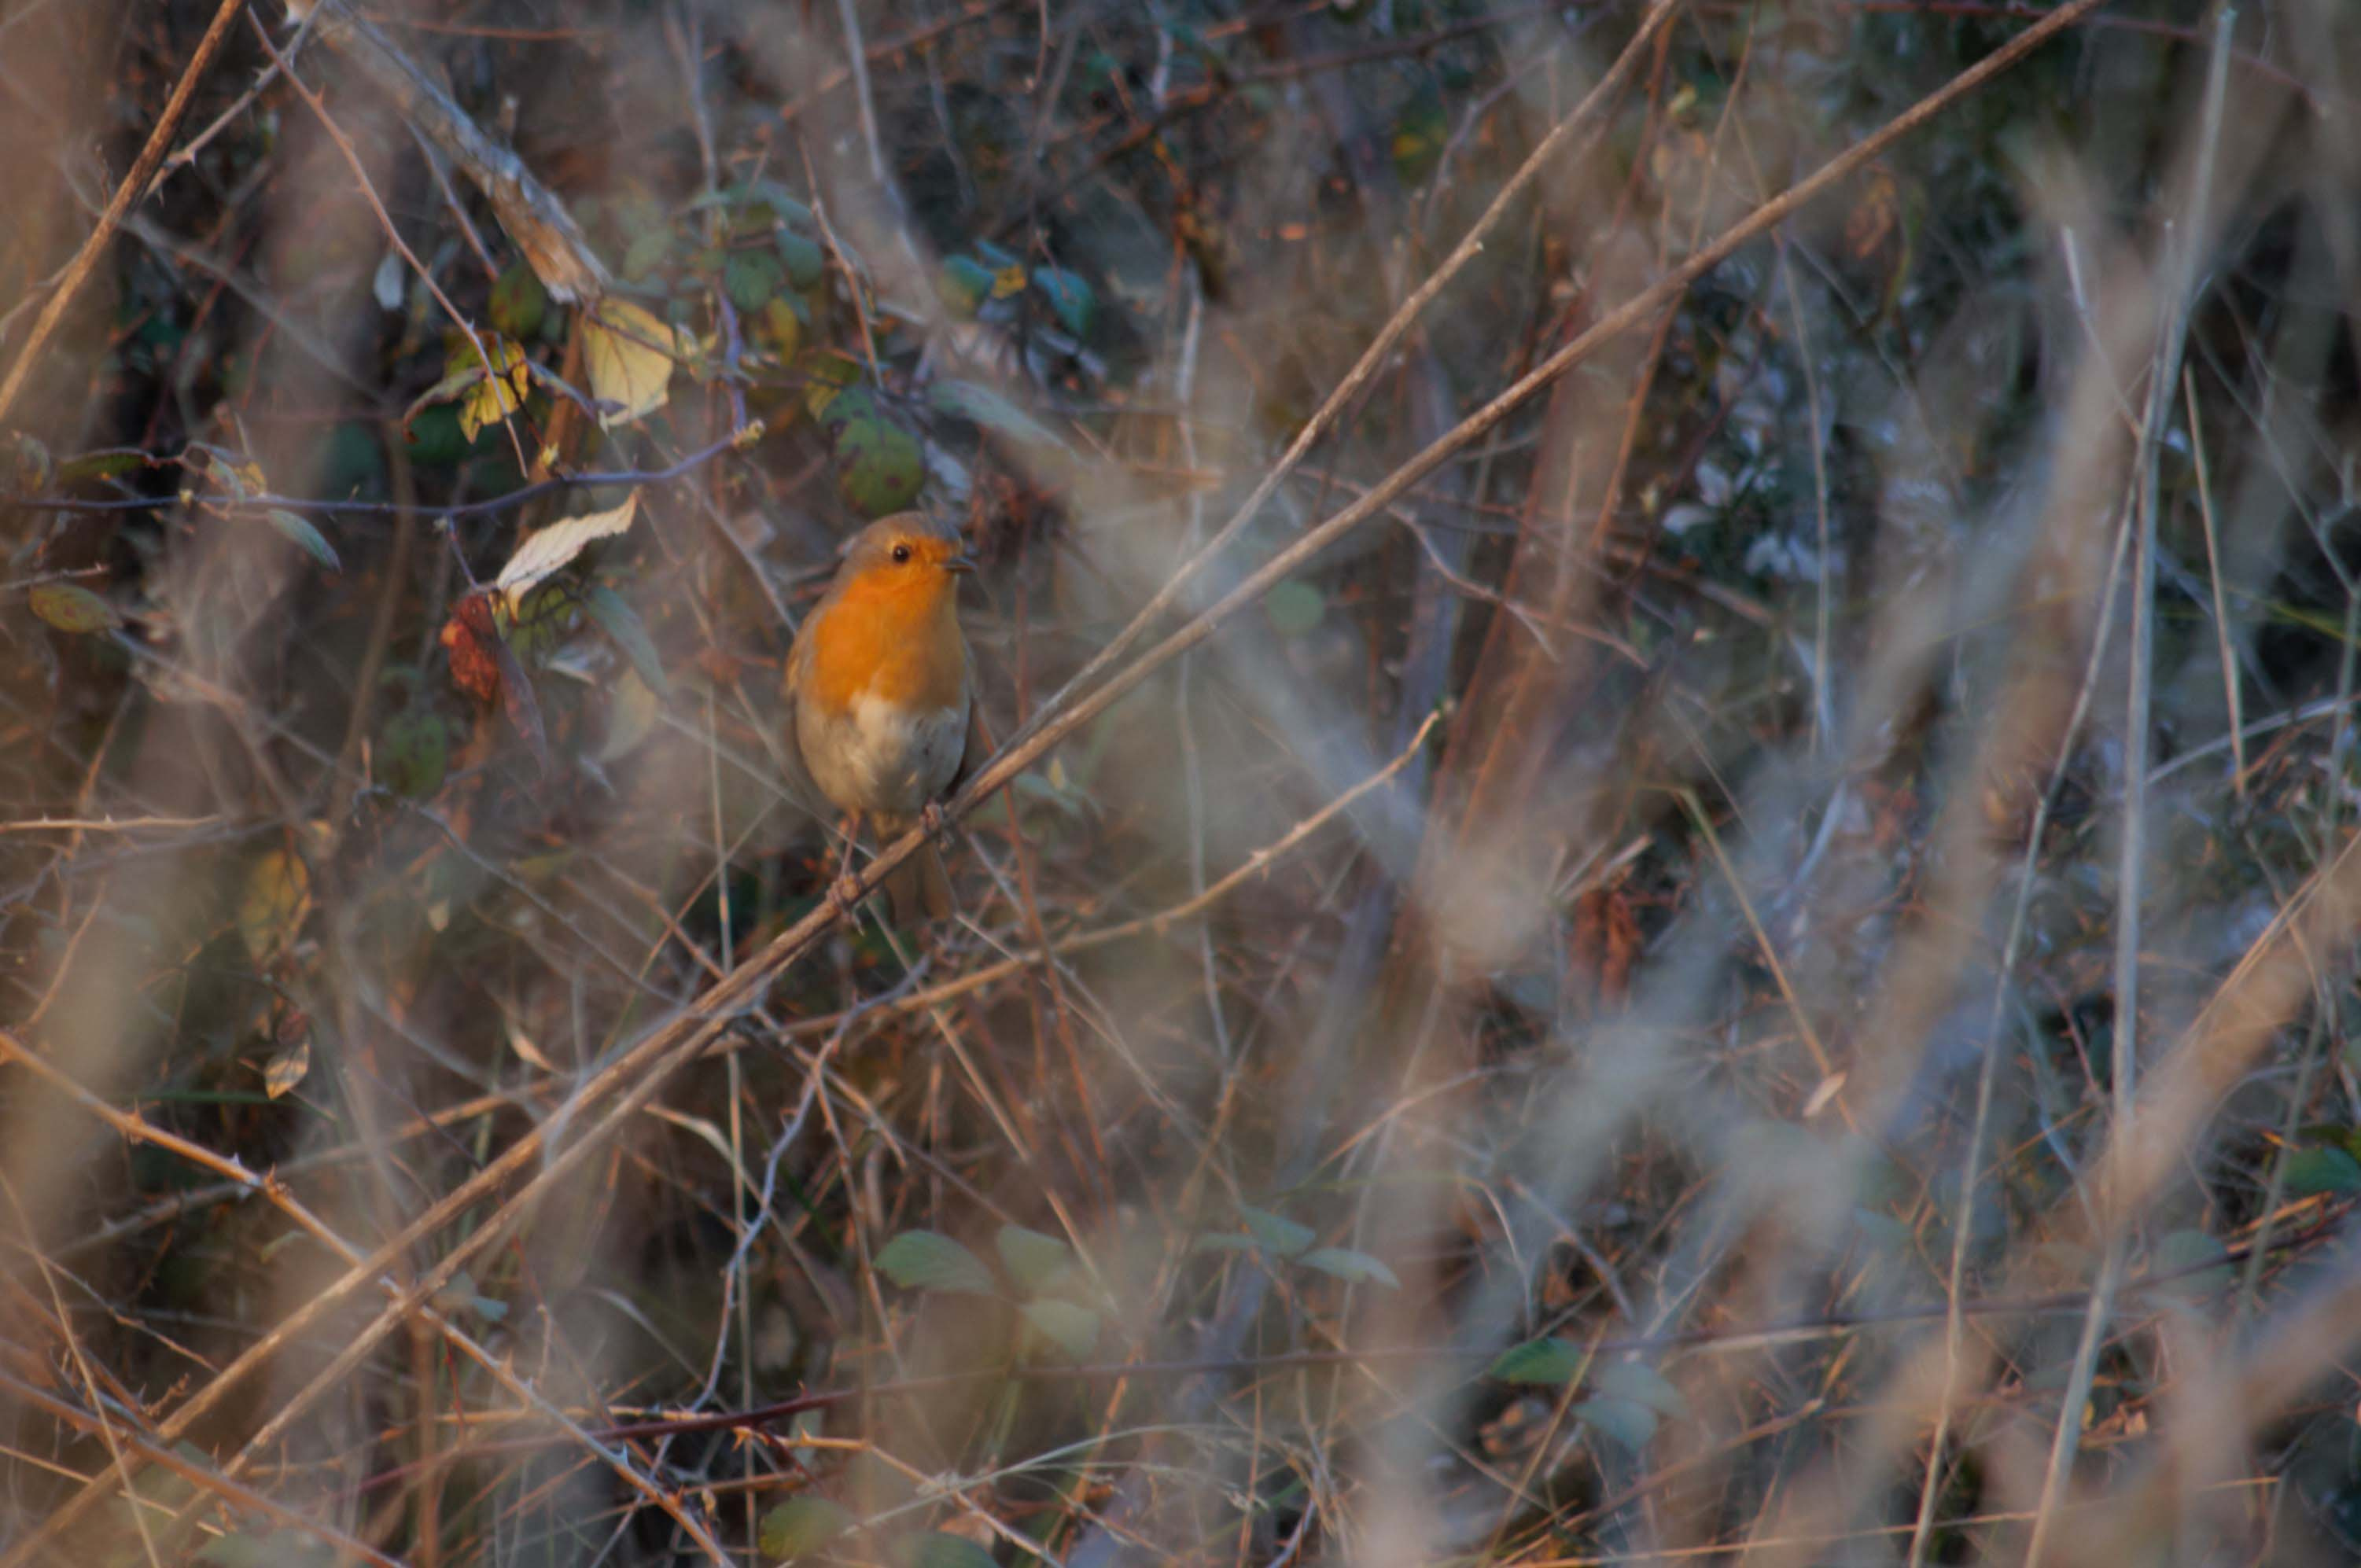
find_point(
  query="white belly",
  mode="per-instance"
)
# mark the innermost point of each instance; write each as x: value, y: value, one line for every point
x: 876, y: 759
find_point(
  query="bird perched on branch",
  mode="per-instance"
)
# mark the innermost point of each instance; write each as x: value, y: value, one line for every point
x: 879, y: 691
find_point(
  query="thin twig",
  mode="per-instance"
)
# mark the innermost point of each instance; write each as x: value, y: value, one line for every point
x: 137, y: 1130
x: 2221, y: 642
x: 2182, y: 249
x: 160, y: 139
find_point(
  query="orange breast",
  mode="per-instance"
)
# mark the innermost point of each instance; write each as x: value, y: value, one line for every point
x: 891, y: 635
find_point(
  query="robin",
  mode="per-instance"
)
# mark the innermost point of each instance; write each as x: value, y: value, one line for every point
x: 878, y: 694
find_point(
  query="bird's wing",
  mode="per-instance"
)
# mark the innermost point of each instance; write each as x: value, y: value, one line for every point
x: 979, y: 740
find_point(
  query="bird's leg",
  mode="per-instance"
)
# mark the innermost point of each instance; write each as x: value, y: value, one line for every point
x: 931, y: 818
x: 846, y: 887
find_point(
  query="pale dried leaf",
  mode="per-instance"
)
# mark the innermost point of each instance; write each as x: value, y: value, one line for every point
x: 552, y: 548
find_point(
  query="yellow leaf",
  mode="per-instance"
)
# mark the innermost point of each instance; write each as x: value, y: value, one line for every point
x: 285, y: 1070
x: 499, y: 395
x: 278, y: 891
x: 630, y: 353
x: 71, y: 609
x: 546, y: 550
x: 781, y: 327
x: 1007, y: 281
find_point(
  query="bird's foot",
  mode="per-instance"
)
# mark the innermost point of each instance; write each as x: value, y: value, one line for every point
x: 932, y: 818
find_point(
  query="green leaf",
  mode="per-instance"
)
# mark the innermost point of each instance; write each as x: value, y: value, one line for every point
x: 855, y: 402
x: 1035, y: 1261
x: 1294, y: 607
x: 353, y: 462
x: 982, y: 405
x: 1630, y: 1423
x: 646, y: 253
x: 631, y: 714
x: 830, y: 376
x: 2179, y: 1250
x: 1354, y: 1267
x: 934, y: 1548
x: 70, y: 607
x: 801, y: 1526
x: 101, y: 466
x: 928, y: 1260
x: 2324, y: 1168
x: 1073, y: 1330
x: 1641, y: 1384
x: 2344, y: 1137
x: 434, y: 438
x: 1419, y: 137
x: 1885, y: 1232
x: 540, y: 620
x: 756, y: 191
x: 617, y: 620
x: 460, y: 1295
x: 769, y: 193
x: 1065, y: 796
x: 518, y: 303
x: 315, y: 544
x: 804, y: 262
x: 1069, y: 297
x: 880, y: 466
x: 751, y: 276
x: 1223, y: 1241
x: 963, y: 284
x: 1551, y: 1362
x: 1276, y: 1232
x: 239, y: 482
x: 414, y: 754
x: 252, y: 1549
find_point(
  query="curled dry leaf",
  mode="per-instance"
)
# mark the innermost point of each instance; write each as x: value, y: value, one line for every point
x: 472, y: 641
x: 549, y: 549
x: 483, y: 668
x: 288, y: 1067
x: 630, y: 355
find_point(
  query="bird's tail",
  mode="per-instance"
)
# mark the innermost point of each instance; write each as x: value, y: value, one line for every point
x: 919, y: 889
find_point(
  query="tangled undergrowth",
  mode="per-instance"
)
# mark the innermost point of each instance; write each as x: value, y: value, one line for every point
x: 1667, y: 865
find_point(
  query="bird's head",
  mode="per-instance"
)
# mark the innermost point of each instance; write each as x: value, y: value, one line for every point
x: 909, y: 544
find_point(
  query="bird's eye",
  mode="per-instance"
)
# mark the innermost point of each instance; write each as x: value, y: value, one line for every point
x: 901, y: 554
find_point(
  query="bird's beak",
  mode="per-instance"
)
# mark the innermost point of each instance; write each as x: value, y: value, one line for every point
x: 960, y: 564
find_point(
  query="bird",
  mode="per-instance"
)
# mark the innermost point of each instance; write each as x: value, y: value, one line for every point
x: 879, y: 688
